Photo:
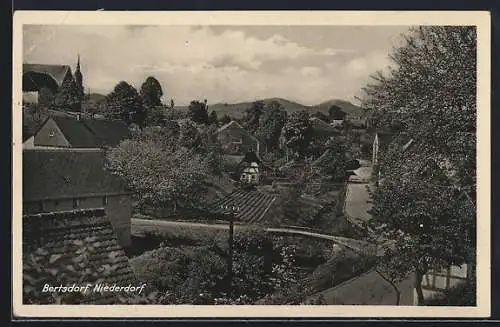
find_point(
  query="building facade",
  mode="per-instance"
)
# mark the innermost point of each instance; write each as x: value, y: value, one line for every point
x: 56, y: 180
x: 236, y: 140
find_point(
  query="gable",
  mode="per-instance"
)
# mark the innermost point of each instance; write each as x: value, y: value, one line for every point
x: 50, y: 134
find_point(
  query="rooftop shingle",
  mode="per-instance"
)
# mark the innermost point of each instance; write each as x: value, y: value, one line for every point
x: 59, y: 233
x: 67, y: 173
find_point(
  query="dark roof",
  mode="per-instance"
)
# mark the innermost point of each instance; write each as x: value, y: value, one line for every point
x: 368, y: 289
x: 108, y: 132
x: 322, y: 128
x: 66, y: 173
x: 57, y: 72
x: 57, y: 232
x: 253, y: 204
x: 77, y: 134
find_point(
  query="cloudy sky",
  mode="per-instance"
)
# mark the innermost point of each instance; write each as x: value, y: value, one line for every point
x: 307, y: 64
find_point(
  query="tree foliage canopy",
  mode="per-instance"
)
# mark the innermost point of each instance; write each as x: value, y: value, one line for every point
x: 426, y: 199
x: 270, y: 123
x: 151, y: 92
x: 125, y: 103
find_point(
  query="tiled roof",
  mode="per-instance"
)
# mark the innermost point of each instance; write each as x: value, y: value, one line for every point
x: 66, y: 173
x: 77, y: 134
x: 57, y: 232
x: 107, y: 132
x: 321, y: 127
x: 253, y: 205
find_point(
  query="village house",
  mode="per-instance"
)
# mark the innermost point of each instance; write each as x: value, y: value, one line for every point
x: 67, y: 179
x: 63, y: 131
x: 58, y: 233
x: 236, y: 140
x: 41, y: 82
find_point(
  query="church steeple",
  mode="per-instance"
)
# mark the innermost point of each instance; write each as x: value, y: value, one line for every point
x: 78, y: 63
x: 79, y: 80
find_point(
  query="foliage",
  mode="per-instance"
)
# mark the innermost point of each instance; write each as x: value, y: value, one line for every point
x: 462, y: 294
x: 68, y: 97
x: 334, y: 161
x: 159, y: 169
x: 336, y: 113
x: 198, y: 112
x: 270, y: 123
x: 297, y: 133
x: 252, y: 116
x: 426, y: 201
x: 225, y: 119
x: 212, y: 118
x: 151, y: 92
x: 190, y: 137
x: 196, y: 274
x: 125, y: 103
x: 156, y: 115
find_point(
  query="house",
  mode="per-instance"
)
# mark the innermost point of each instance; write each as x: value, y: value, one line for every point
x: 41, y: 82
x: 58, y: 131
x: 58, y: 234
x: 236, y: 140
x: 65, y: 179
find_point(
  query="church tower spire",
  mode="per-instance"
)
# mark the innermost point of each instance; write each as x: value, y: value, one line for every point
x: 79, y: 81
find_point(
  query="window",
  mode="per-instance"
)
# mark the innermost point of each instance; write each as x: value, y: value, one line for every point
x: 52, y: 133
x: 104, y: 201
x: 56, y: 203
x: 76, y: 203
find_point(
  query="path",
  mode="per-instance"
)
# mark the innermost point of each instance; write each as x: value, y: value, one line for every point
x: 140, y: 226
x: 357, y: 199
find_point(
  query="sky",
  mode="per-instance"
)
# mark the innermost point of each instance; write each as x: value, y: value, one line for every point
x: 223, y: 64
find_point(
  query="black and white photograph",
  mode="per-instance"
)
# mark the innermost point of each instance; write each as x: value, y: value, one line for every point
x: 248, y: 163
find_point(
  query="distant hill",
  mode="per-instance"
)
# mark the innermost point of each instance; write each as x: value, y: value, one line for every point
x: 237, y: 110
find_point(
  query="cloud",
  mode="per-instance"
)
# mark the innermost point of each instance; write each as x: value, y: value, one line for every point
x: 197, y: 63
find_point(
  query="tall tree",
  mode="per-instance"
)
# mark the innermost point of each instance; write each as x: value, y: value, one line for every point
x: 151, y: 92
x: 252, y: 116
x: 297, y: 133
x: 336, y: 113
x: 212, y: 119
x: 198, y: 112
x: 270, y: 124
x: 159, y: 170
x: 426, y: 203
x: 125, y: 103
x: 67, y: 97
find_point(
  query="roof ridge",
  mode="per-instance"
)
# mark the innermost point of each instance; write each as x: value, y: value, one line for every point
x: 77, y: 213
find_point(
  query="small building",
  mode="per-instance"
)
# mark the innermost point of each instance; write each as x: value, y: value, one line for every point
x: 58, y: 131
x: 41, y: 82
x: 236, y: 140
x: 58, y: 234
x: 67, y: 179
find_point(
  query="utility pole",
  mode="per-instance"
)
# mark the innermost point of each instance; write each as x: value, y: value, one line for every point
x: 232, y: 217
